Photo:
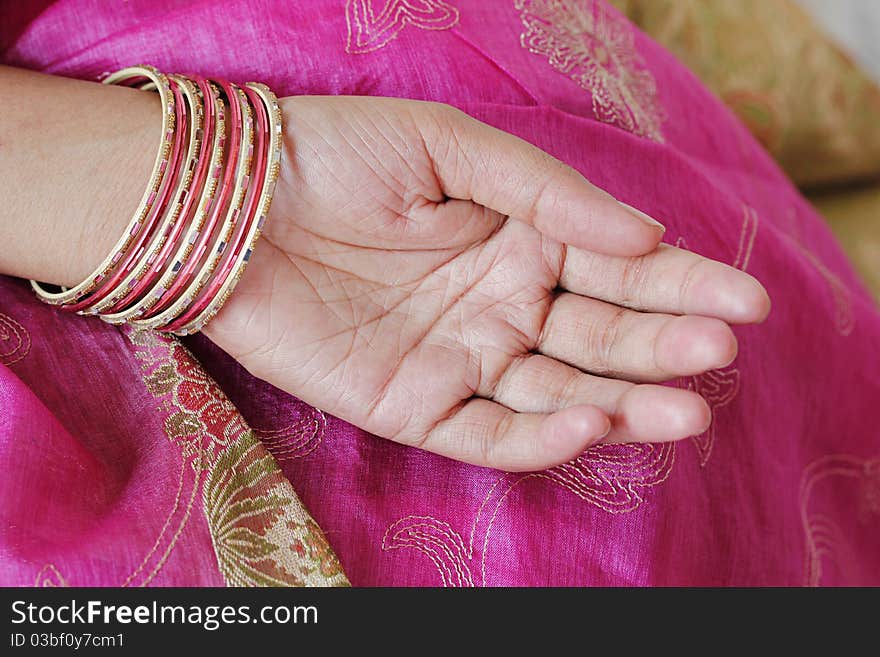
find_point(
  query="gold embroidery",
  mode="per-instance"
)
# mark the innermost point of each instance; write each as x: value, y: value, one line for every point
x: 595, y: 47
x: 720, y: 387
x: 15, y: 341
x: 182, y: 484
x: 299, y: 438
x: 262, y: 535
x: 312, y: 542
x: 746, y: 238
x: 843, y: 316
x: 611, y: 477
x: 437, y: 541
x: 614, y: 477
x: 824, y: 542
x: 250, y: 508
x: 369, y: 31
x: 49, y: 577
x: 162, y: 380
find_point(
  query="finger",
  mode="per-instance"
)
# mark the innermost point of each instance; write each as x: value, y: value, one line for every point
x: 639, y: 413
x: 500, y: 171
x: 669, y: 280
x: 601, y: 338
x: 488, y: 434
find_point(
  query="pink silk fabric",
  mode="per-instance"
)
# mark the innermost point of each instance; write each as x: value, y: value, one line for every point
x: 783, y: 489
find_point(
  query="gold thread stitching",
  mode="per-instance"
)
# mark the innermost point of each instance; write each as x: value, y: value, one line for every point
x: 610, y: 477
x: 369, y: 32
x: 595, y: 47
x: 19, y: 338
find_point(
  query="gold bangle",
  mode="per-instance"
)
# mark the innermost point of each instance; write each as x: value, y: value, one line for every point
x: 160, y: 168
x: 172, y: 215
x: 273, y: 157
x: 243, y: 168
x: 207, y: 192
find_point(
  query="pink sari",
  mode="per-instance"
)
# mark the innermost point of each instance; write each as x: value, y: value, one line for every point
x: 131, y: 458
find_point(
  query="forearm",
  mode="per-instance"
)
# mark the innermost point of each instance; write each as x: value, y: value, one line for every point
x: 74, y: 160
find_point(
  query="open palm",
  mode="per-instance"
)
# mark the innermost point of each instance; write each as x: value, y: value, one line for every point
x: 446, y: 285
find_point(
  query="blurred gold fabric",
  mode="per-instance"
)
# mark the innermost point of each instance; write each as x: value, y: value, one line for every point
x: 854, y: 216
x: 805, y: 99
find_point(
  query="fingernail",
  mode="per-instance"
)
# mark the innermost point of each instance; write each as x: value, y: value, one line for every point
x: 638, y: 214
x: 601, y: 437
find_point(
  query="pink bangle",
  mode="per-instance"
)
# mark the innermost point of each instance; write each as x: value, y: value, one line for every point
x: 148, y: 229
x: 202, y: 126
x: 127, y: 77
x: 269, y: 113
x: 238, y: 241
x: 189, y: 281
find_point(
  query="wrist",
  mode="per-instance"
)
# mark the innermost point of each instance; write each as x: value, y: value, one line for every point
x: 78, y: 181
x: 103, y: 196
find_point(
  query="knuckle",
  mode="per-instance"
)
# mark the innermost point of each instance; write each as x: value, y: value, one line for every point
x: 491, y: 435
x: 565, y: 393
x: 544, y: 201
x: 691, y: 274
x: 604, y: 339
x: 634, y: 278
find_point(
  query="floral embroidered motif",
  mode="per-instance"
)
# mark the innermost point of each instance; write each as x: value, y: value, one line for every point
x: 258, y: 525
x: 595, y: 47
x: 15, y: 341
x: 614, y: 477
x: 843, y: 315
x: 200, y: 407
x: 611, y: 477
x: 825, y: 543
x: 370, y: 30
x: 437, y: 541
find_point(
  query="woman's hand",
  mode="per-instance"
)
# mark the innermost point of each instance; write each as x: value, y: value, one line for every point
x: 446, y: 285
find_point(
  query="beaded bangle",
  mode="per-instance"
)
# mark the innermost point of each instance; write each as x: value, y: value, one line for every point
x: 237, y: 170
x: 131, y: 278
x: 203, y: 188
x: 268, y: 154
x: 127, y: 77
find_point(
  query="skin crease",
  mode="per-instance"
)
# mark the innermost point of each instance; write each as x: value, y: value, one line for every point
x: 393, y: 289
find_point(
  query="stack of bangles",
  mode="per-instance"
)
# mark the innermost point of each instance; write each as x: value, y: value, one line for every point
x: 206, y: 202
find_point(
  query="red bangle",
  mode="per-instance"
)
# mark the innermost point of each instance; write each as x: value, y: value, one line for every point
x: 201, y: 98
x: 142, y: 237
x: 184, y: 286
x: 271, y: 167
x: 238, y: 242
x: 180, y: 258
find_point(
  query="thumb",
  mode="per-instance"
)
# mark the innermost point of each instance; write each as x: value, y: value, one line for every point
x: 474, y: 161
